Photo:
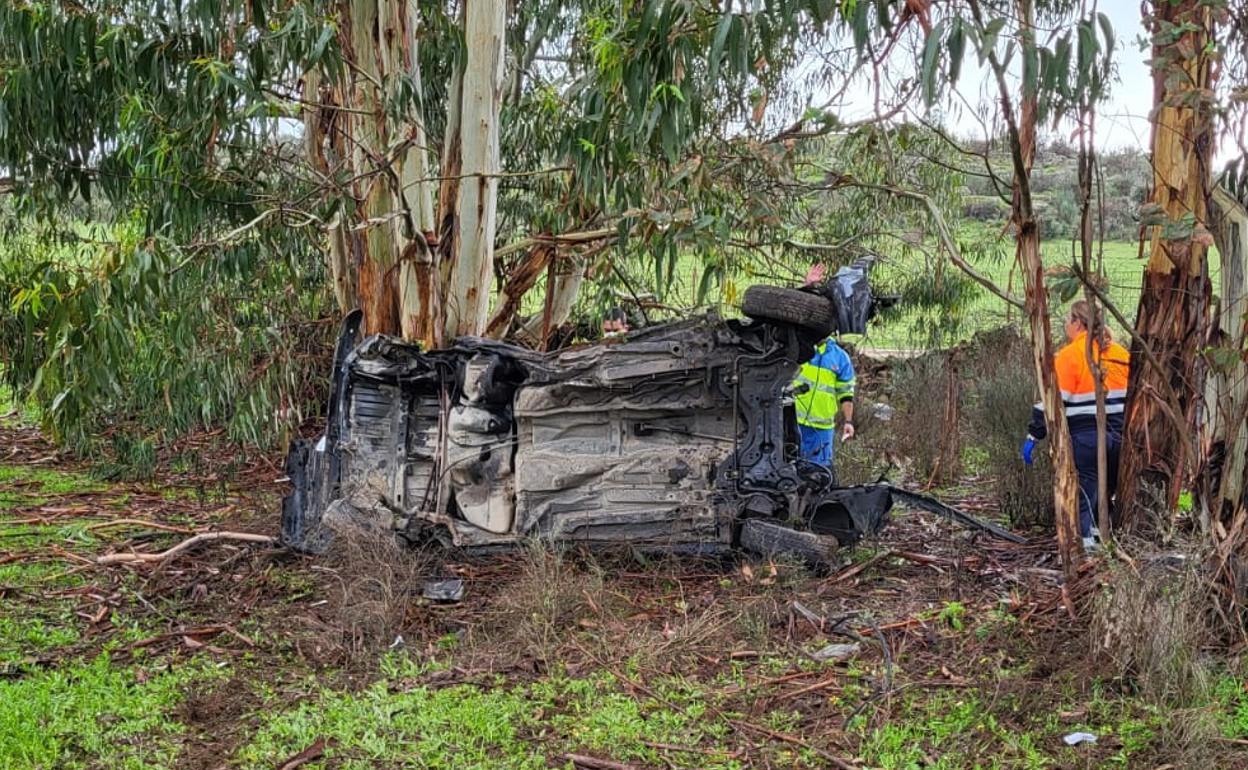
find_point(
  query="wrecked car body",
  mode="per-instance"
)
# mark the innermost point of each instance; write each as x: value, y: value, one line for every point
x: 678, y: 437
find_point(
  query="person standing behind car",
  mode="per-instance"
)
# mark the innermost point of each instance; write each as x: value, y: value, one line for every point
x: 1077, y: 382
x: 825, y: 386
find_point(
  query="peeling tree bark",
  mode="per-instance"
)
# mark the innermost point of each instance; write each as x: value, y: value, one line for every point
x: 520, y: 280
x: 419, y: 288
x: 318, y: 128
x: 1226, y: 472
x: 374, y: 237
x: 1228, y: 388
x: 1173, y: 317
x: 472, y: 255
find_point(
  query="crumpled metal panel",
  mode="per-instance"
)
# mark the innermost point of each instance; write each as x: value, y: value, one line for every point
x: 637, y: 440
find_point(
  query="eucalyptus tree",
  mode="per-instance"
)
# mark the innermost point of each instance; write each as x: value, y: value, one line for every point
x: 446, y: 152
x: 1172, y: 324
x: 1035, y: 74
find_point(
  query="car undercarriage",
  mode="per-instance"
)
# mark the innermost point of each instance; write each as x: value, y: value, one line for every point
x: 678, y: 437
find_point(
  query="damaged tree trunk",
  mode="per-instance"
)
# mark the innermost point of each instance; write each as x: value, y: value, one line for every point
x: 372, y: 242
x: 1173, y: 316
x: 565, y: 276
x: 1225, y: 475
x: 411, y: 270
x: 520, y: 279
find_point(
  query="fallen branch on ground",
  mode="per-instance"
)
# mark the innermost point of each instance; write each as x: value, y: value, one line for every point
x: 310, y: 754
x: 203, y: 537
x: 593, y: 763
x: 142, y: 523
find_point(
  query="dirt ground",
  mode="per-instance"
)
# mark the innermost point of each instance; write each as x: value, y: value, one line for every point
x: 951, y: 649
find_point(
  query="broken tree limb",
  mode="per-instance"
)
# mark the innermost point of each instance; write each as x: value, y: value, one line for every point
x: 932, y: 505
x: 593, y: 763
x: 310, y: 754
x: 203, y: 537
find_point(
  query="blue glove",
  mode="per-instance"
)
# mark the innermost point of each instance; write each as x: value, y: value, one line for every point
x: 1029, y: 446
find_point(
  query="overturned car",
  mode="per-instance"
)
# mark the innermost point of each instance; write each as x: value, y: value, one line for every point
x: 678, y: 437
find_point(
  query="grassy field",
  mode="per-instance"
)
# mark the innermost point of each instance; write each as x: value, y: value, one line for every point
x: 1123, y: 271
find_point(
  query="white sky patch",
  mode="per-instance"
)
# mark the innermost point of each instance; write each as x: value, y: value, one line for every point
x: 1122, y: 121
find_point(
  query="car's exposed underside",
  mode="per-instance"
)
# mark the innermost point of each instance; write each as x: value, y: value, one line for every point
x: 676, y: 437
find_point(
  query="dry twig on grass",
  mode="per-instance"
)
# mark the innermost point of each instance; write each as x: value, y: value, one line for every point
x: 594, y: 763
x: 190, y: 542
x: 142, y: 523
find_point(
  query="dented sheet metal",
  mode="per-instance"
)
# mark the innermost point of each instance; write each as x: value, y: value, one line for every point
x: 669, y: 438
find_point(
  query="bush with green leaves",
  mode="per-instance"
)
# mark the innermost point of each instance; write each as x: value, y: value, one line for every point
x: 126, y: 349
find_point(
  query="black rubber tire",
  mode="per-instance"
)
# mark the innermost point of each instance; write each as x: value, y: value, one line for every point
x: 768, y: 538
x: 790, y: 306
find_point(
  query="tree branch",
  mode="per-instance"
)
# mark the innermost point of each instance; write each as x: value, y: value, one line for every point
x: 946, y: 238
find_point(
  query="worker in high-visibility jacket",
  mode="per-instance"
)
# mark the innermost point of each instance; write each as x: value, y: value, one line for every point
x: 1077, y: 382
x: 824, y: 387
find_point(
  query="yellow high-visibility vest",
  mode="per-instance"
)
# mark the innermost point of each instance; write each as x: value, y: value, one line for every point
x: 829, y: 380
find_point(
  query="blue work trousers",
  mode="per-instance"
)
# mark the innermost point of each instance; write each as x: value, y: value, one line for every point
x: 818, y: 445
x: 1085, y: 465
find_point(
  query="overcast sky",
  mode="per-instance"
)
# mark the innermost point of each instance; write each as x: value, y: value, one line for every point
x: 1122, y: 122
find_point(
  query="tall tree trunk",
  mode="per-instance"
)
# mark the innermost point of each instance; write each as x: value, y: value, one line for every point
x: 1023, y: 151
x: 1226, y: 473
x: 1173, y: 315
x: 419, y: 287
x: 471, y: 256
x: 374, y: 240
x: 319, y: 115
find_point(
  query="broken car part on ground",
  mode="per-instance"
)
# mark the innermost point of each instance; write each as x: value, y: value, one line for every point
x: 677, y: 437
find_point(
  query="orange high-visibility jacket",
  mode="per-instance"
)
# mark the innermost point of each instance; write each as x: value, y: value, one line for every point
x: 1078, y: 386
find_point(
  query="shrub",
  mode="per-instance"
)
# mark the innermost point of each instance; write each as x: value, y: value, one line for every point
x: 1000, y: 393
x: 921, y: 425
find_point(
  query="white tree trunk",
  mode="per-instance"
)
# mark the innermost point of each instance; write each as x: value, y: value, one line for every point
x: 467, y: 295
x: 569, y: 275
x: 419, y: 288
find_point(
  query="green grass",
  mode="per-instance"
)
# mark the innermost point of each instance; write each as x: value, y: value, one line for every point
x: 1122, y: 268
x: 25, y: 637
x: 1230, y: 693
x: 13, y: 411
x: 28, y: 485
x: 95, y: 715
x: 497, y: 725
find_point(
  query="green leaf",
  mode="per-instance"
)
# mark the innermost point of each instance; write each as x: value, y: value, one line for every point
x: 989, y: 40
x: 1107, y: 31
x: 717, y: 45
x: 862, y: 25
x: 928, y: 71
x: 709, y: 276
x: 1087, y: 51
x: 957, y: 47
x: 1031, y: 69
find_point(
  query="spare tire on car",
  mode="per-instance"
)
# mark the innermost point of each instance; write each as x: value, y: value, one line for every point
x: 790, y: 306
